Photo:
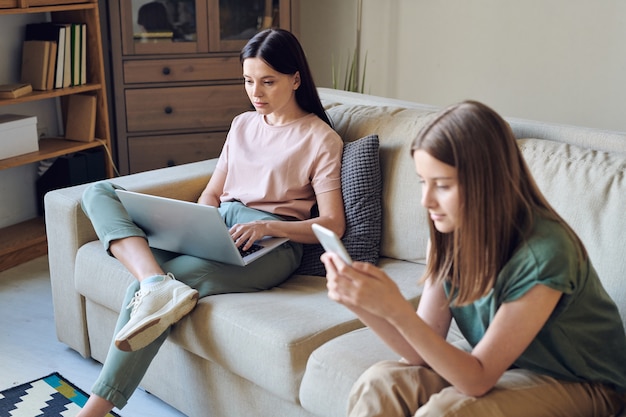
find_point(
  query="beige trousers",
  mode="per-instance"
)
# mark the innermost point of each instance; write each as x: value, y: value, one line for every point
x: 395, y: 389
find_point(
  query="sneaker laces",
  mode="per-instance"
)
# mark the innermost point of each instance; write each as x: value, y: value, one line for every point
x: 136, y: 301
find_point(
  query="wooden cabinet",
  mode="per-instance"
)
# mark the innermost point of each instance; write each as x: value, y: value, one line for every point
x: 25, y: 241
x: 177, y: 77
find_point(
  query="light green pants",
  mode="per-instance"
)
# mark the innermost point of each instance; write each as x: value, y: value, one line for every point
x: 395, y: 389
x: 122, y: 371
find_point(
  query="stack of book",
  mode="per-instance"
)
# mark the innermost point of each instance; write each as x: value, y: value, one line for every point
x: 54, y: 55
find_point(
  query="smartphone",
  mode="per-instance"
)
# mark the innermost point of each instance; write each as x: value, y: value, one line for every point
x: 331, y: 242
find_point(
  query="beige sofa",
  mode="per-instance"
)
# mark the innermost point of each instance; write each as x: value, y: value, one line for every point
x: 290, y: 351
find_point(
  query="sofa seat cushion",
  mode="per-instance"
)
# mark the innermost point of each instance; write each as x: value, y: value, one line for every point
x: 333, y: 368
x: 264, y: 337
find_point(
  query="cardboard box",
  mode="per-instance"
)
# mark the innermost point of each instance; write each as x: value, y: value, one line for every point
x: 18, y: 135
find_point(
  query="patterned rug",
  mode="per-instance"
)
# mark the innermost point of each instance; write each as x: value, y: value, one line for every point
x: 50, y: 396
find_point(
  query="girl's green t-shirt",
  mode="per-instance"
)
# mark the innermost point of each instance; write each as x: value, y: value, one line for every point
x: 583, y: 339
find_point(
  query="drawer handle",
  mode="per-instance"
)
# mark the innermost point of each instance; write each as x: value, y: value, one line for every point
x: 171, y: 163
x: 168, y: 110
x: 166, y: 71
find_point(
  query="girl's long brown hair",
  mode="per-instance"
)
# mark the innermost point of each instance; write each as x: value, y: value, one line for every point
x: 498, y: 199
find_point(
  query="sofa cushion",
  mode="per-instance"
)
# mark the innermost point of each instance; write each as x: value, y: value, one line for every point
x: 361, y: 187
x: 588, y: 189
x: 404, y: 225
x: 333, y: 368
x: 264, y: 337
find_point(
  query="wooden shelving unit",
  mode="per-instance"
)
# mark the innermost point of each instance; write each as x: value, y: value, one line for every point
x: 27, y: 240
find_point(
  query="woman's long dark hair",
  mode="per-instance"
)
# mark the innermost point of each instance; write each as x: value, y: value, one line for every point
x: 281, y: 50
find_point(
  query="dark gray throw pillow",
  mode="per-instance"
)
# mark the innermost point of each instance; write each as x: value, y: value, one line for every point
x: 361, y: 187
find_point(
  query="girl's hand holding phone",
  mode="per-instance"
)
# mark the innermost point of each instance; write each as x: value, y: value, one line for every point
x: 360, y: 285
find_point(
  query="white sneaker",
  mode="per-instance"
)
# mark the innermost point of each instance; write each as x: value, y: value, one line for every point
x: 155, y: 308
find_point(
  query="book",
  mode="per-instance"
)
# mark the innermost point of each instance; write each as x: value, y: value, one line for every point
x: 81, y: 117
x: 60, y: 65
x: 15, y: 90
x: 67, y: 55
x: 52, y: 59
x: 35, y: 62
x: 76, y: 48
x: 49, y: 31
x: 83, y: 54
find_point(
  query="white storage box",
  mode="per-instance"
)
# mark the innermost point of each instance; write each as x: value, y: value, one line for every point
x: 18, y: 135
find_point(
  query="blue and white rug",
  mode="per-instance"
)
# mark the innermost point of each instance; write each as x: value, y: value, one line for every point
x: 50, y: 396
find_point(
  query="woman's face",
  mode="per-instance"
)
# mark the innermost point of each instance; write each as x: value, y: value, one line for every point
x: 271, y: 93
x: 440, y: 190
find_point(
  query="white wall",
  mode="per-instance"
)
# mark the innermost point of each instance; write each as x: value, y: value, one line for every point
x: 327, y: 33
x: 552, y: 60
x: 17, y: 185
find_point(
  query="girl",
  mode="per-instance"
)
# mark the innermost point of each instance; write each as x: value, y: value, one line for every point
x: 511, y: 273
x: 277, y: 163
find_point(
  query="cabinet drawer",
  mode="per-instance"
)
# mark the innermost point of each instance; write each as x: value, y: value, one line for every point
x: 192, y: 69
x: 207, y: 107
x: 152, y: 152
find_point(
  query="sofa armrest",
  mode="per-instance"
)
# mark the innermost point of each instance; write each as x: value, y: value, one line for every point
x: 68, y: 228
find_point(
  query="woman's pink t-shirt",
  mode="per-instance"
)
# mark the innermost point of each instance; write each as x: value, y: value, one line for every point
x: 280, y: 169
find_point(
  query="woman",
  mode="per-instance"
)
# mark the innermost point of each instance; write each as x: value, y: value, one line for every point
x: 511, y: 273
x: 277, y: 163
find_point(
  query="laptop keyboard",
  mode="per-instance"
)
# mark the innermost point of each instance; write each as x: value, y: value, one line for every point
x: 255, y: 247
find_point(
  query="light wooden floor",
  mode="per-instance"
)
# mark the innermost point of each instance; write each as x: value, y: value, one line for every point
x: 29, y: 348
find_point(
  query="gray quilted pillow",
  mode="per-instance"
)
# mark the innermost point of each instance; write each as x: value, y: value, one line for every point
x: 361, y: 186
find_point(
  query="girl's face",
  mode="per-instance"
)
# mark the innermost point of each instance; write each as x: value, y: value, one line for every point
x: 272, y: 93
x: 440, y: 190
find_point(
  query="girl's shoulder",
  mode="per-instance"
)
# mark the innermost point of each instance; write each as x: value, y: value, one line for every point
x: 548, y: 233
x: 547, y: 255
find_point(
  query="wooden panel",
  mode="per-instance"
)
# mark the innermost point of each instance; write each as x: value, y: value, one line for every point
x: 192, y: 69
x: 204, y: 107
x: 152, y: 152
x: 7, y: 4
x: 22, y: 242
x: 35, y: 3
x: 24, y: 6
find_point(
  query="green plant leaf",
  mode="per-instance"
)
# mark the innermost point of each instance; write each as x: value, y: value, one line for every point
x: 352, y: 80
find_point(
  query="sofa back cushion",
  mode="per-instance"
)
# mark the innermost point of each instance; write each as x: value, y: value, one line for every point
x: 404, y: 226
x: 588, y: 189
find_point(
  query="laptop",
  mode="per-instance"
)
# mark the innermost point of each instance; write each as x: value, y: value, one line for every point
x: 190, y: 228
